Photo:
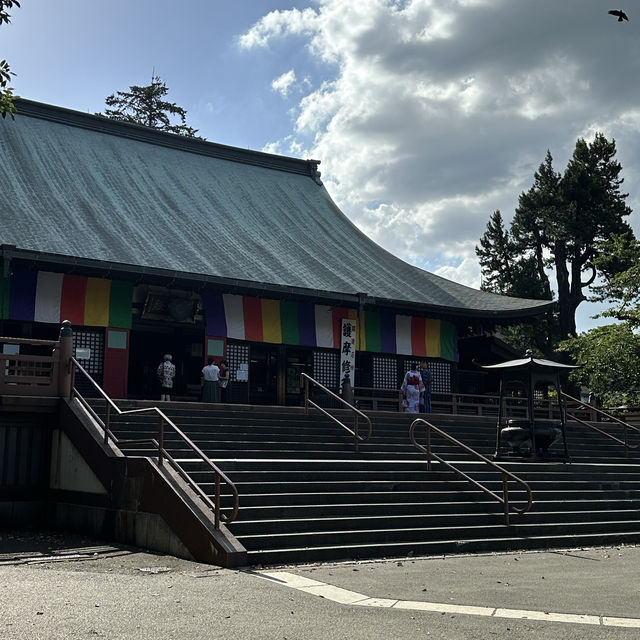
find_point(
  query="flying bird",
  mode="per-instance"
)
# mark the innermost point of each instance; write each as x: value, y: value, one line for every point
x: 620, y: 14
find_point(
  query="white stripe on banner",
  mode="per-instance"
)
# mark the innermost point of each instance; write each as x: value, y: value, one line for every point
x: 234, y: 314
x: 403, y: 335
x: 48, y: 296
x: 324, y: 326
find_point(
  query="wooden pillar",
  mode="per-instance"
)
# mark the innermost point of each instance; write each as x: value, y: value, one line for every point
x: 65, y: 352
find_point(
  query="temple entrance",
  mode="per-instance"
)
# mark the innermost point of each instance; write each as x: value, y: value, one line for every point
x: 148, y: 344
x: 299, y: 360
x: 263, y: 374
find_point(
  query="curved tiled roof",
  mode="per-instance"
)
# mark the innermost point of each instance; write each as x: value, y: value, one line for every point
x: 80, y: 185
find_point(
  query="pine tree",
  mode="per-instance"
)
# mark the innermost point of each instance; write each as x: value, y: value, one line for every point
x: 561, y: 226
x: 147, y: 106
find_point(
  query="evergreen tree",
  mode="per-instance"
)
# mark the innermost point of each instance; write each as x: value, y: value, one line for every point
x: 495, y: 252
x: 561, y: 226
x: 147, y: 106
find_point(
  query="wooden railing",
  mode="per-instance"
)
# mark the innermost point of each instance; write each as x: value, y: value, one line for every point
x: 468, y: 404
x: 158, y: 444
x: 605, y: 418
x: 356, y: 413
x: 506, y: 475
x: 31, y: 375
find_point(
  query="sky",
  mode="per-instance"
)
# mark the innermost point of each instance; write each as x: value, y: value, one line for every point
x: 426, y: 115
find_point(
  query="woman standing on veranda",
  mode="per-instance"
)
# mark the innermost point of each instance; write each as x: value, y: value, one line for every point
x: 412, y: 387
x: 224, y: 382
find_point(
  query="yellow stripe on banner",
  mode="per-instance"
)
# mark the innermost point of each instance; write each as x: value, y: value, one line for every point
x: 271, y: 326
x: 96, y: 304
x: 361, y: 340
x: 432, y: 335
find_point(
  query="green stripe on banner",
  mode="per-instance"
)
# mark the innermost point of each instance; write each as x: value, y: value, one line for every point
x: 447, y: 341
x: 289, y: 322
x: 120, y: 301
x: 5, y: 295
x: 372, y: 331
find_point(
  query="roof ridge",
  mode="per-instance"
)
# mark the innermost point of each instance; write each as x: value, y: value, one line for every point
x: 103, y: 124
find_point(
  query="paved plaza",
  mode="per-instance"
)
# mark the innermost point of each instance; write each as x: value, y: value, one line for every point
x: 55, y: 586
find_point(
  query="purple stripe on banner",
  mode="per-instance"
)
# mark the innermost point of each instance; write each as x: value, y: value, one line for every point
x: 388, y: 332
x: 214, y: 314
x: 307, y: 324
x: 22, y: 305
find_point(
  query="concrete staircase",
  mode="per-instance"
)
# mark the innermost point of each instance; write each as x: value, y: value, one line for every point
x: 306, y: 496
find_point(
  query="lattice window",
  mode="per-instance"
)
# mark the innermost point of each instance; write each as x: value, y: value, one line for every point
x: 326, y: 365
x: 94, y: 365
x: 385, y: 373
x: 237, y: 354
x: 441, y: 370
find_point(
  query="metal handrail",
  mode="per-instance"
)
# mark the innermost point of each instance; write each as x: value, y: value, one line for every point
x: 506, y: 475
x: 356, y: 412
x: 29, y: 341
x: 626, y: 425
x: 163, y: 454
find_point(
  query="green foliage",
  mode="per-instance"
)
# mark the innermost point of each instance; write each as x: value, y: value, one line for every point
x: 4, y: 14
x: 6, y: 92
x: 610, y: 355
x: 561, y: 228
x: 147, y: 106
x: 619, y: 266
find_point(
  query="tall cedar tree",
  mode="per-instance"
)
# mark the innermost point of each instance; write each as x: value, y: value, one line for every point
x: 561, y: 226
x: 147, y: 106
x: 6, y: 92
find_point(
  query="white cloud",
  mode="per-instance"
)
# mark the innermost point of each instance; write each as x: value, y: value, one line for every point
x: 439, y: 111
x: 283, y: 83
x: 277, y: 24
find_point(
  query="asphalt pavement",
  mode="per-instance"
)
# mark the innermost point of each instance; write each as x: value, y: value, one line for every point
x: 60, y: 586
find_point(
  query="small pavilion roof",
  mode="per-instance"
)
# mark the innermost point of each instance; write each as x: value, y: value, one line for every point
x: 530, y: 361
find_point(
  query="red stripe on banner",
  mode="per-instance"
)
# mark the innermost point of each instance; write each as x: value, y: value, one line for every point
x: 74, y: 290
x: 338, y: 313
x: 252, y: 309
x: 418, y: 337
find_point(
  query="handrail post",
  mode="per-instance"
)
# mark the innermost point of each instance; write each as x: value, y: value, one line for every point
x: 217, y: 503
x: 161, y: 442
x: 107, y: 423
x: 65, y: 373
x: 505, y: 497
x: 306, y: 395
x: 428, y: 441
x: 355, y: 432
x: 626, y: 441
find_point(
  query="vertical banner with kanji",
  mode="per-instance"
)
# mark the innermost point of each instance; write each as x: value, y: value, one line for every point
x: 348, y: 350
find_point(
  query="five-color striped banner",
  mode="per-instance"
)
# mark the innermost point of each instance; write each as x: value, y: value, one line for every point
x: 44, y: 296
x: 313, y: 325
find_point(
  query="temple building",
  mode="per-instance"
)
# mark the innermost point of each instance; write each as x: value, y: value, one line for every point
x: 152, y: 243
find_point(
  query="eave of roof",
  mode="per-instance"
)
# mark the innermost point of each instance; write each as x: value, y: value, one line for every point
x: 100, y: 194
x: 196, y: 281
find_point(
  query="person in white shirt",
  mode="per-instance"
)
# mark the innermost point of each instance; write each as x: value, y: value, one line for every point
x: 210, y: 376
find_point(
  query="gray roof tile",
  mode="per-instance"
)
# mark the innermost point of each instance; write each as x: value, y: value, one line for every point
x: 80, y: 185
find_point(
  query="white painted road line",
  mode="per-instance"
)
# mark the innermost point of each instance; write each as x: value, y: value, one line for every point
x: 345, y: 596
